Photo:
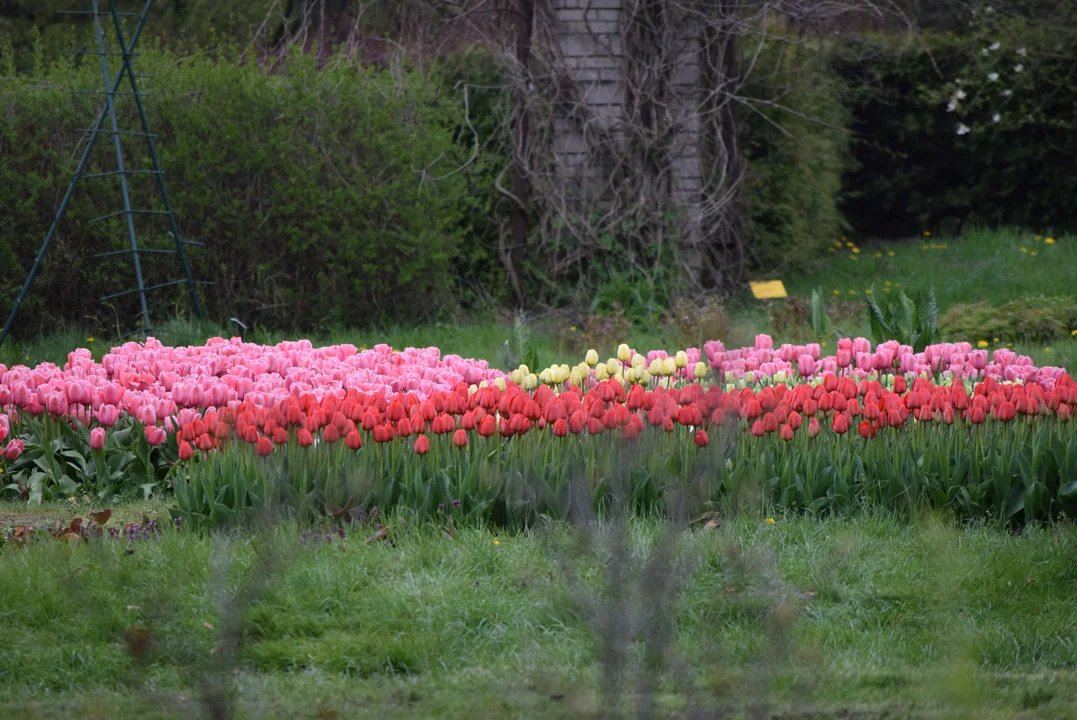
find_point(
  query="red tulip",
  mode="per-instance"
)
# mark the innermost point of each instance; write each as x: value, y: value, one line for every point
x: 1006, y: 411
x: 1063, y: 413
x: 770, y: 423
x: 560, y: 428
x: 487, y: 427
x: 701, y: 439
x: 459, y: 438
x: 813, y: 427
x: 866, y: 430
x: 786, y: 432
x: 186, y: 452
x: 795, y: 420
x: 840, y: 424
x: 422, y: 445
x: 305, y: 438
x: 97, y: 438
x: 280, y: 436
x: 331, y: 434
x: 264, y: 446
x: 352, y: 440
x: 977, y: 416
x: 757, y: 429
x: 900, y: 385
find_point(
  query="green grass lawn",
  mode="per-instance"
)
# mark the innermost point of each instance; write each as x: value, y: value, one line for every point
x: 870, y: 616
x: 990, y: 266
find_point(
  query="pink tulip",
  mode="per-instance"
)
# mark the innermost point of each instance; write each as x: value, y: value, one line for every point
x: 13, y: 451
x: 155, y: 435
x: 97, y: 438
x: 806, y: 365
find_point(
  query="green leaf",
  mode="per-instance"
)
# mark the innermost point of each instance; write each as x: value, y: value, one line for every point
x: 1068, y: 492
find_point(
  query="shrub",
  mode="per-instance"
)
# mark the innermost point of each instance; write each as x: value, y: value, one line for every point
x: 1035, y: 319
x: 794, y: 142
x: 922, y: 165
x: 323, y: 196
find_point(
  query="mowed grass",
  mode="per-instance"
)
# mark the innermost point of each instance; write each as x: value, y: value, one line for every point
x: 982, y: 265
x: 869, y: 616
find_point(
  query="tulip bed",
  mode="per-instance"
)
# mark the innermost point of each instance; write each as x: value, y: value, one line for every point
x: 232, y: 427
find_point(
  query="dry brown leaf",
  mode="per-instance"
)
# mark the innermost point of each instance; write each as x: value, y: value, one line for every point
x: 101, y: 516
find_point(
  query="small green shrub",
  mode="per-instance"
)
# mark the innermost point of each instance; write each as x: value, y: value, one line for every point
x: 1036, y: 319
x: 911, y: 322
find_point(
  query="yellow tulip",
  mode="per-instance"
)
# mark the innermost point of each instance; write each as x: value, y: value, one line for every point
x: 516, y: 376
x: 592, y: 357
x: 681, y: 359
x: 575, y: 379
x: 700, y: 371
x: 530, y: 382
x: 669, y: 366
x: 630, y: 375
x: 656, y: 367
x: 472, y: 389
x: 601, y: 372
x: 624, y: 353
x: 500, y: 383
x: 639, y: 362
x: 613, y: 365
x: 644, y: 377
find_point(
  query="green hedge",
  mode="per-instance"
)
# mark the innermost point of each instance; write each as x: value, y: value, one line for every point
x: 321, y: 194
x: 915, y: 172
x: 796, y: 148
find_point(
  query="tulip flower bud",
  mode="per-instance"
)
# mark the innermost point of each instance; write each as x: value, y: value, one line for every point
x: 575, y: 379
x: 524, y: 369
x: 630, y: 375
x: 644, y: 377
x: 681, y: 359
x: 700, y: 371
x: 499, y: 383
x: 530, y: 382
x: 613, y: 365
x: 563, y: 372
x: 639, y: 362
x: 601, y: 372
x: 779, y: 376
x: 545, y: 378
x: 483, y: 384
x: 669, y: 366
x: 656, y: 367
x: 472, y: 389
x: 591, y: 358
x: 624, y: 354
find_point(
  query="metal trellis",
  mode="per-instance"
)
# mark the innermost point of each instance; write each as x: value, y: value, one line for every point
x: 111, y: 90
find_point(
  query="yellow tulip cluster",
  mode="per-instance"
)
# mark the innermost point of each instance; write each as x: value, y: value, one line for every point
x: 626, y: 368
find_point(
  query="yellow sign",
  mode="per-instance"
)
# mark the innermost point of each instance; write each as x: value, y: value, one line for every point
x: 768, y: 290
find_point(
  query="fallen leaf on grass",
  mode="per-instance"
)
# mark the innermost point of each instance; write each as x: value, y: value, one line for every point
x: 101, y: 516
x: 381, y: 534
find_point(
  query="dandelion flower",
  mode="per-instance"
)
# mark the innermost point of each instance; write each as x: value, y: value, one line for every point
x: 927, y: 233
x: 1073, y: 333
x: 496, y: 541
x: 1037, y: 237
x: 868, y: 291
x: 837, y: 292
x: 891, y: 253
x: 856, y: 250
x: 993, y: 77
x: 878, y: 255
x: 1031, y: 252
x: 90, y: 339
x: 1050, y: 241
x: 848, y: 244
x: 982, y: 344
x: 852, y: 292
x: 995, y: 340
x: 1024, y: 249
x: 770, y: 521
x: 1047, y: 349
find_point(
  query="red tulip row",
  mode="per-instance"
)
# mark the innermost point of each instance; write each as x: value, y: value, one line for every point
x: 842, y: 403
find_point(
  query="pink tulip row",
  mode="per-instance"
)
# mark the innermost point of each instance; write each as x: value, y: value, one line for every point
x: 154, y: 383
x: 858, y: 359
